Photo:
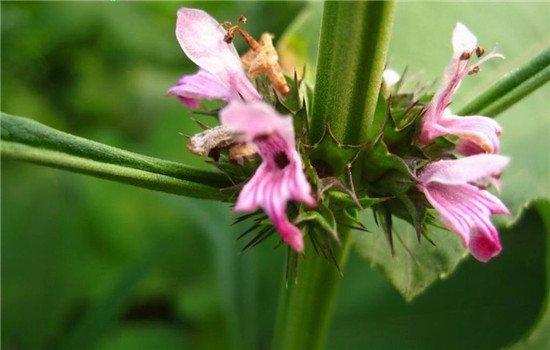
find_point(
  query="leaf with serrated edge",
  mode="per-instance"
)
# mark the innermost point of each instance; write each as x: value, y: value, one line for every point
x: 415, y: 266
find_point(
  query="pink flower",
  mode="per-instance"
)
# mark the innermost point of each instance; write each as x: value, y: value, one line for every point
x: 477, y: 134
x: 221, y: 75
x: 280, y: 177
x: 455, y: 189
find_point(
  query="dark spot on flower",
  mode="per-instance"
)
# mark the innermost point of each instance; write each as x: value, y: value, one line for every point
x: 281, y: 159
x: 465, y: 56
x: 262, y: 137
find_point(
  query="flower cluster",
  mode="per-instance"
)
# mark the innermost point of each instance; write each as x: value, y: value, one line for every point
x: 447, y: 161
x: 454, y: 187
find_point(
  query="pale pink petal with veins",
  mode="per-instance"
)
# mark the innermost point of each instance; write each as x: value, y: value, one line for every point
x: 477, y: 134
x: 453, y: 188
x: 201, y: 38
x: 280, y: 178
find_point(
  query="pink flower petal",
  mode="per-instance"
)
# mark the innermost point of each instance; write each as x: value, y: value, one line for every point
x: 280, y: 177
x: 451, y: 187
x: 465, y: 209
x: 483, y: 245
x: 202, y: 39
x: 480, y: 130
x: 464, y: 170
x: 255, y: 119
x: 199, y: 86
x: 477, y: 134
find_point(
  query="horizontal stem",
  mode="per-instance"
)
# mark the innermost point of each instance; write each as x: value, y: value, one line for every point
x: 517, y: 94
x: 29, y: 132
x: 511, y: 88
x: 136, y: 177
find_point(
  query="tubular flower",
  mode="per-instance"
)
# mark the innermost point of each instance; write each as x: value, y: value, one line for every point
x: 221, y: 75
x: 477, y: 134
x: 280, y: 176
x: 455, y: 189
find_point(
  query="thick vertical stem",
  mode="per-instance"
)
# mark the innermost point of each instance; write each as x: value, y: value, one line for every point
x: 352, y: 55
x: 306, y: 306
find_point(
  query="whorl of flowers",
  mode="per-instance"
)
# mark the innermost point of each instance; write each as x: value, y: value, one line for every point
x: 416, y: 162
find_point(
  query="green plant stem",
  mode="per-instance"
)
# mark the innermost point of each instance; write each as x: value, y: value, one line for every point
x: 352, y: 55
x: 511, y: 88
x: 38, y: 137
x: 306, y: 306
x: 136, y: 177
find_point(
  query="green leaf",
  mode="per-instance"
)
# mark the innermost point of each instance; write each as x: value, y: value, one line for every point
x: 539, y: 337
x: 27, y: 140
x: 511, y: 88
x: 298, y: 46
x: 415, y: 265
x: 479, y: 306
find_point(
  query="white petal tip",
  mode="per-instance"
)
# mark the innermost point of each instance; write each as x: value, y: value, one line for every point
x: 463, y: 40
x: 390, y: 77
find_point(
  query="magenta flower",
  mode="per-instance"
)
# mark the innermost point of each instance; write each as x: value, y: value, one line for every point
x: 455, y: 189
x: 221, y: 75
x: 477, y: 134
x: 280, y: 177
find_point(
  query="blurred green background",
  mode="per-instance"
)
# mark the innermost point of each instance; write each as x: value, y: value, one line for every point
x: 88, y: 263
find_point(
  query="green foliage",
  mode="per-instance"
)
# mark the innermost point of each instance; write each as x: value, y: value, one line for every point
x: 30, y: 141
x: 33, y: 134
x: 415, y: 265
x: 538, y: 337
x: 479, y: 306
x: 299, y: 43
x: 67, y: 240
x: 352, y: 56
x: 511, y: 88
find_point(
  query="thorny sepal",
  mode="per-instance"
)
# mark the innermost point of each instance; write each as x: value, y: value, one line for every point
x: 297, y: 97
x: 237, y: 172
x: 378, y: 161
x: 329, y: 157
x: 324, y: 219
